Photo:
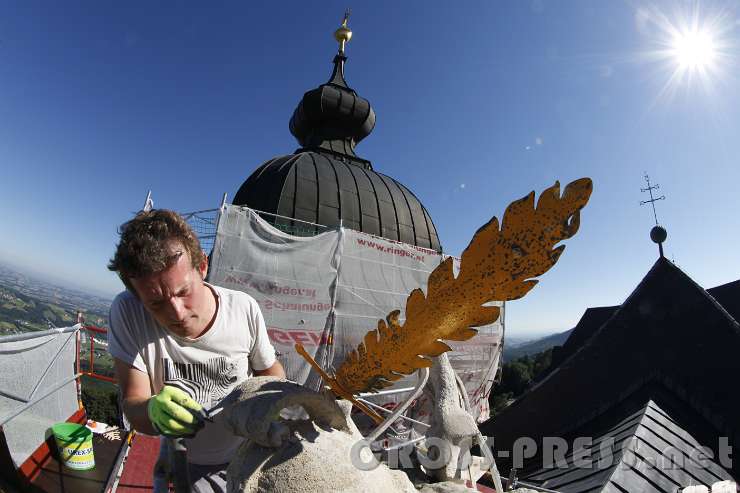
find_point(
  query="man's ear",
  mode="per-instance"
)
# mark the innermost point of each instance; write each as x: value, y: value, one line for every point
x: 203, y: 267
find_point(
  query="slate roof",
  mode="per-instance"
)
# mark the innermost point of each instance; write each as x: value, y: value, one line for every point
x: 321, y: 188
x: 591, y: 320
x: 646, y: 451
x: 728, y: 295
x: 671, y: 337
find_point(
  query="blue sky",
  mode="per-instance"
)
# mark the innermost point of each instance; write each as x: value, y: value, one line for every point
x: 477, y: 105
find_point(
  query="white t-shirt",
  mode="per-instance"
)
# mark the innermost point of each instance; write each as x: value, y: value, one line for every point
x: 207, y: 368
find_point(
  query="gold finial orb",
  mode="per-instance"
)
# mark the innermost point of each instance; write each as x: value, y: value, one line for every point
x: 343, y: 34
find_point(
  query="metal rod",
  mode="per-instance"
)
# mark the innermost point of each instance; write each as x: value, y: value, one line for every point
x: 385, y: 392
x: 91, y: 372
x: 100, y: 377
x: 371, y: 404
x: 219, y: 218
x: 36, y: 334
x: 31, y: 403
x: 535, y: 487
x: 10, y: 395
x: 92, y: 354
x: 92, y: 328
x: 409, y: 442
x: 78, y: 345
x: 78, y: 369
x: 48, y: 367
x: 286, y: 217
x: 191, y: 214
x: 489, y: 456
x: 424, y: 376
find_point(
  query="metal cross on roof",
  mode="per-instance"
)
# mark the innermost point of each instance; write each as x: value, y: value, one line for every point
x: 658, y: 234
x: 652, y: 200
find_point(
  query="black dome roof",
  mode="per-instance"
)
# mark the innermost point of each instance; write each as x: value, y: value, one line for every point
x: 333, y: 116
x: 325, y: 182
x: 321, y: 188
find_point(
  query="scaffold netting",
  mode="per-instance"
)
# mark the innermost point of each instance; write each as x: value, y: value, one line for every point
x: 327, y: 291
x: 32, y: 368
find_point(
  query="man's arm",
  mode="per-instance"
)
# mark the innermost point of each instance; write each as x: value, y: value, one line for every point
x: 136, y: 392
x: 262, y: 349
x: 276, y: 370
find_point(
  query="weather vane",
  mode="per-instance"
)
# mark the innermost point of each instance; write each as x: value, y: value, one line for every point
x: 658, y: 234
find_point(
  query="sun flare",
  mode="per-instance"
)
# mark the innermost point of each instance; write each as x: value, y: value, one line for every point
x: 694, y: 50
x: 691, y: 47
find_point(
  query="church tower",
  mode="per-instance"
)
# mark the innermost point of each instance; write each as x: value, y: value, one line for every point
x: 325, y: 182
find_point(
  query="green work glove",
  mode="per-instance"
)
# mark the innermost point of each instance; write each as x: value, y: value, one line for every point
x: 174, y: 413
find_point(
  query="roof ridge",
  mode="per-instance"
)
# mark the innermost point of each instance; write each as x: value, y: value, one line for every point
x: 662, y: 262
x: 723, y: 285
x: 711, y: 298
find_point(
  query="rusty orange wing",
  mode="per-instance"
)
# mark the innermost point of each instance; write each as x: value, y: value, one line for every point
x: 499, y: 264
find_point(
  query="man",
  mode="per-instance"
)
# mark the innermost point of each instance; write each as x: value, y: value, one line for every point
x: 179, y: 344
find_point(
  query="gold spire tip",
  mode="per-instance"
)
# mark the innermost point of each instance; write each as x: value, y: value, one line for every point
x: 343, y: 34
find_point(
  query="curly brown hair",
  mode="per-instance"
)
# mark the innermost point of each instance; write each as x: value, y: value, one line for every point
x: 146, y: 245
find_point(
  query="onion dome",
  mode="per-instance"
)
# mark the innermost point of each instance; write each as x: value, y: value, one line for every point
x: 332, y: 116
x: 325, y: 182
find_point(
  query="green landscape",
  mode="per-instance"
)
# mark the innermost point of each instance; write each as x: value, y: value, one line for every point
x: 22, y: 313
x: 517, y: 377
x: 30, y: 304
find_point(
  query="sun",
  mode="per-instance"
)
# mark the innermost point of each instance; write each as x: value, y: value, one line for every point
x: 692, y: 47
x: 694, y: 50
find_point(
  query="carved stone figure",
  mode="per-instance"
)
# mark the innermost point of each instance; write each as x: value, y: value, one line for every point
x: 310, y: 455
x: 450, y: 422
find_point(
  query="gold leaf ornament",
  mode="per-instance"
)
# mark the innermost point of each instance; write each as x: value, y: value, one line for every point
x: 497, y: 265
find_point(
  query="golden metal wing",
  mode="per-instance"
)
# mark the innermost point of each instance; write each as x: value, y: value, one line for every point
x: 497, y: 265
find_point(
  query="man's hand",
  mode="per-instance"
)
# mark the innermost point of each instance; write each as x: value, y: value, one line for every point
x: 174, y: 413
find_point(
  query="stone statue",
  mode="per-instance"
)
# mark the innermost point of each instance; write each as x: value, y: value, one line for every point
x: 314, y: 454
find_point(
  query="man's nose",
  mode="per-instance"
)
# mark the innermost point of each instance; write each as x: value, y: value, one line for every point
x: 178, y: 308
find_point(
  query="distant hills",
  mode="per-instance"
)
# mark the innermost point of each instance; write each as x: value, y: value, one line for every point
x: 29, y: 303
x: 517, y: 349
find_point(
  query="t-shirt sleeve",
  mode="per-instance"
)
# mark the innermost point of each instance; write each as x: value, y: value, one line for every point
x: 121, y: 340
x: 262, y: 353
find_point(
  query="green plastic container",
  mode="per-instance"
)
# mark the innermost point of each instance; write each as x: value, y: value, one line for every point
x: 74, y: 443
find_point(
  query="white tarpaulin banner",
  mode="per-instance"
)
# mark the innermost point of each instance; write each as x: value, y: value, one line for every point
x: 327, y: 291
x: 31, y: 369
x: 291, y: 278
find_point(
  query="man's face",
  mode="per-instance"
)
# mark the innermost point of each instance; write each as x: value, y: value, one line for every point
x: 176, y: 297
